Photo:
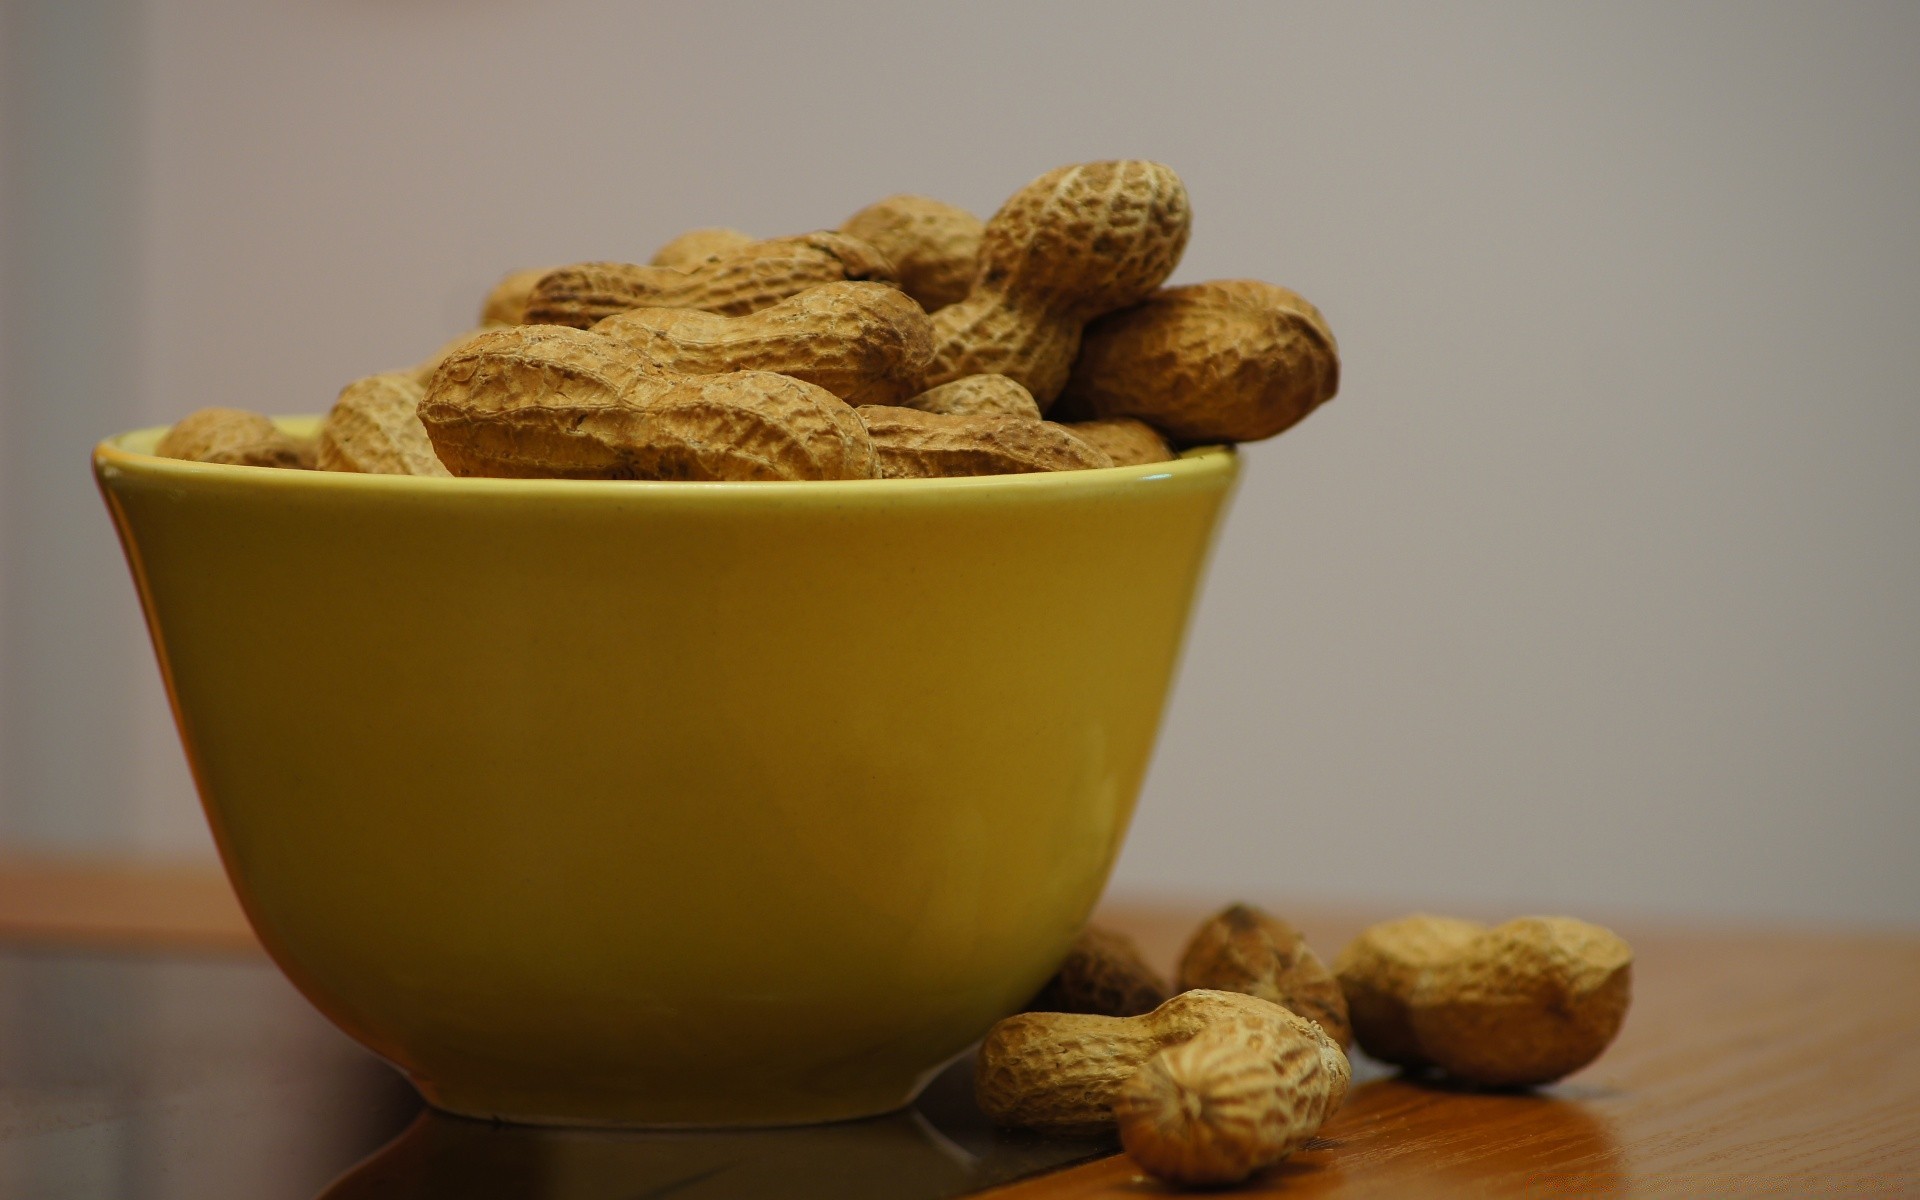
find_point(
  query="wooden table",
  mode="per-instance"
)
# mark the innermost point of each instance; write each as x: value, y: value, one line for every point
x: 1754, y: 1062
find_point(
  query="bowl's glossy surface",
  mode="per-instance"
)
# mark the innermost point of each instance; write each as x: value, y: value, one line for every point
x: 665, y: 803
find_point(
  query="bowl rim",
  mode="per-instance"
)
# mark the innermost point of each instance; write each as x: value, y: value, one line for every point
x: 129, y: 452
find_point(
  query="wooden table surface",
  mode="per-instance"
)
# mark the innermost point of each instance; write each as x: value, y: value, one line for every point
x: 1753, y: 1062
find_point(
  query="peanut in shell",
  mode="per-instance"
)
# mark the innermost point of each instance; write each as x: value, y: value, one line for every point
x: 911, y: 444
x: 230, y: 436
x: 749, y: 279
x: 933, y: 245
x: 1077, y: 242
x: 867, y: 343
x: 1234, y: 360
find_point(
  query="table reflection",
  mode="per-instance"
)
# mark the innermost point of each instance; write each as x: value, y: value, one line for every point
x: 939, y: 1148
x: 149, y: 1077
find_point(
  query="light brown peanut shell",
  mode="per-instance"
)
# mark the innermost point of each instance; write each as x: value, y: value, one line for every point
x: 506, y: 304
x: 1235, y: 360
x: 1230, y: 1102
x: 749, y: 279
x: 867, y: 343
x: 912, y: 444
x: 422, y: 371
x: 930, y: 243
x: 1242, y: 949
x: 1060, y: 1072
x: 976, y: 396
x: 374, y: 428
x: 697, y: 246
x: 1129, y: 443
x: 1104, y: 972
x: 1522, y: 1004
x: 229, y: 435
x: 1075, y: 243
x: 552, y: 402
x: 1378, y: 972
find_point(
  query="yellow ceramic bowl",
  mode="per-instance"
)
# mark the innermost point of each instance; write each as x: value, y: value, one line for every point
x: 665, y: 803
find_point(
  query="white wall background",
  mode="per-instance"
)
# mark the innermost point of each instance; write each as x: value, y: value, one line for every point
x: 1598, y: 587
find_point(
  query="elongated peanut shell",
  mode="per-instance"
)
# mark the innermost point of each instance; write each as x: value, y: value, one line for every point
x: 1128, y: 442
x: 1231, y: 1101
x: 912, y: 444
x: 229, y: 435
x: 696, y: 246
x: 1060, y: 1072
x: 933, y: 245
x: 374, y: 428
x: 1242, y: 949
x: 1104, y: 972
x: 1235, y: 360
x: 1075, y: 243
x: 751, y: 278
x: 977, y: 396
x: 867, y: 343
x: 548, y: 401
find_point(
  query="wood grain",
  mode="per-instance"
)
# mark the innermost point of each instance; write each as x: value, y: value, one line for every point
x: 1752, y: 1064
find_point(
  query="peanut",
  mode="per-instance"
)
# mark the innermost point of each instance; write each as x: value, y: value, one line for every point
x: 1103, y: 973
x: 932, y: 245
x: 1233, y: 1100
x: 912, y: 444
x: 547, y: 401
x: 374, y: 428
x: 506, y: 304
x: 1522, y: 1004
x: 231, y: 436
x: 751, y: 278
x: 1075, y: 243
x: 1235, y: 360
x: 867, y: 343
x: 1060, y: 1072
x: 422, y: 371
x: 977, y: 395
x: 1245, y: 950
x: 1129, y: 443
x: 697, y: 246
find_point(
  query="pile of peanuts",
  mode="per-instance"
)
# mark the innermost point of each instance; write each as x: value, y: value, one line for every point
x: 1243, y: 1066
x: 913, y: 341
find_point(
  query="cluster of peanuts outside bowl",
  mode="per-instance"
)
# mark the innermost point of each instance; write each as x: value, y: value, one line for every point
x: 753, y: 787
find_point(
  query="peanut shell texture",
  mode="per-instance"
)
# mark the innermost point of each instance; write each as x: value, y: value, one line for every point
x: 744, y: 281
x: 911, y: 444
x: 1230, y: 361
x: 1216, y: 1109
x: 543, y: 401
x: 977, y: 395
x: 1104, y: 972
x: 1129, y: 443
x: 1242, y: 949
x: 506, y: 304
x: 1061, y: 1072
x: 1518, y: 1005
x: 867, y: 343
x: 933, y: 245
x: 374, y: 428
x: 231, y: 436
x: 1077, y: 242
x: 1378, y: 972
x: 697, y: 246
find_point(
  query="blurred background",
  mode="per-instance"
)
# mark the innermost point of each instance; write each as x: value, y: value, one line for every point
x: 1597, y: 588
